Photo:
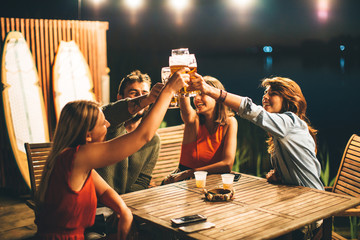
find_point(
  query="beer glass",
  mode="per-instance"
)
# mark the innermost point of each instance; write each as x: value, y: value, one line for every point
x: 180, y: 51
x: 181, y: 58
x: 165, y: 75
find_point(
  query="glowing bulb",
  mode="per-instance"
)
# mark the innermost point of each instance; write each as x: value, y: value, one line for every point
x: 97, y: 2
x: 179, y: 4
x: 242, y: 3
x: 342, y: 47
x: 323, y: 9
x: 134, y: 4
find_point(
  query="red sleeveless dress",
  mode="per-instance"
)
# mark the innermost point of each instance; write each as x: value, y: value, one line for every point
x: 66, y: 213
x: 206, y: 150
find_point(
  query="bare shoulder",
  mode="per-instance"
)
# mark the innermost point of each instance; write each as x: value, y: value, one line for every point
x: 231, y: 126
x: 232, y: 121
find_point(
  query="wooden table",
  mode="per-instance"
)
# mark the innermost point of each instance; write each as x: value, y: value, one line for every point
x: 259, y: 211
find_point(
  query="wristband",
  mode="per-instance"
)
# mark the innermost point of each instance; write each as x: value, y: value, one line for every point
x: 222, y: 97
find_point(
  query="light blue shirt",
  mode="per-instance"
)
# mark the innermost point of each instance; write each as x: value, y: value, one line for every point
x: 294, y: 155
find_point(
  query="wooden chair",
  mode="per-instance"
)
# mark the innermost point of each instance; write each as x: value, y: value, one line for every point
x: 169, y: 155
x: 348, y: 178
x: 37, y: 154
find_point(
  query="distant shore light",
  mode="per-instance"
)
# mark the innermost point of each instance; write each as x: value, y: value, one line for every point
x: 342, y: 47
x: 267, y: 49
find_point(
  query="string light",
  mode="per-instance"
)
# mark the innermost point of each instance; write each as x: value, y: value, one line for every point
x: 179, y: 5
x: 134, y: 4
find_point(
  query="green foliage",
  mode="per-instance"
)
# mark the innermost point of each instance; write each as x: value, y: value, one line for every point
x: 163, y: 124
x: 251, y: 156
x: 324, y: 158
x: 258, y: 165
x: 354, y: 226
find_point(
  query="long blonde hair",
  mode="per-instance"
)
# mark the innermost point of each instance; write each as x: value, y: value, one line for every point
x: 222, y: 112
x: 76, y: 119
x: 293, y: 101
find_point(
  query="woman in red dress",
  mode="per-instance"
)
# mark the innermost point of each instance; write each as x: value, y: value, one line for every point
x: 70, y: 187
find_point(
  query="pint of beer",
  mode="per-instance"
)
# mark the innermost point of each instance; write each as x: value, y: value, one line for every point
x: 178, y: 61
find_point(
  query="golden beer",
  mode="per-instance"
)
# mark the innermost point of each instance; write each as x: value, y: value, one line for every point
x: 200, y: 183
x: 227, y: 186
x: 183, y: 92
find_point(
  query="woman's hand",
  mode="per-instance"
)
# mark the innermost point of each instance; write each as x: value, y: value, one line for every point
x: 198, y: 83
x: 179, y: 79
x: 124, y: 224
x: 176, y: 177
x: 273, y: 177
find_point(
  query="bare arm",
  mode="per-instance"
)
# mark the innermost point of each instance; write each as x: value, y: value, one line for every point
x: 138, y: 103
x: 232, y: 100
x: 191, y: 120
x: 112, y: 199
x: 188, y: 113
x: 97, y: 155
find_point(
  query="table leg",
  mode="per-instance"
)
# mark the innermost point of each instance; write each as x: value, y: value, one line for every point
x: 327, y: 228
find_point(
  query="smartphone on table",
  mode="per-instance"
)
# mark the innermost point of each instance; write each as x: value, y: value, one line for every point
x: 188, y: 219
x: 237, y: 177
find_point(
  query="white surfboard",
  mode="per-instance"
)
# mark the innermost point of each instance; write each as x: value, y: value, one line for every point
x: 71, y: 76
x: 23, y: 101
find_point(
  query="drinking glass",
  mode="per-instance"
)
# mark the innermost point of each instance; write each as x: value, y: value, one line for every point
x: 200, y: 178
x: 227, y: 180
x: 180, y: 51
x: 181, y: 58
x: 165, y: 75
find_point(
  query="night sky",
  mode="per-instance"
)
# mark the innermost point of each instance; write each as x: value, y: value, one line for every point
x: 206, y: 27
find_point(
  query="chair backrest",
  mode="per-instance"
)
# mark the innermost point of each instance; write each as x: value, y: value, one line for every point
x: 348, y: 177
x: 169, y: 156
x: 37, y: 154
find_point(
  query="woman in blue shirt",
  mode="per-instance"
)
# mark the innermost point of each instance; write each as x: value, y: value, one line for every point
x: 292, y: 142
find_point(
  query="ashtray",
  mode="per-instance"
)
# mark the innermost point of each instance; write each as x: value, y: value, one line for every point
x: 219, y: 194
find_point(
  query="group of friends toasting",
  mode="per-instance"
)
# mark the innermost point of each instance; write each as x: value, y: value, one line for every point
x: 100, y: 152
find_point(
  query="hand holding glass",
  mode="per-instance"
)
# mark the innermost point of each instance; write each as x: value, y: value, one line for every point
x: 181, y: 58
x: 165, y: 75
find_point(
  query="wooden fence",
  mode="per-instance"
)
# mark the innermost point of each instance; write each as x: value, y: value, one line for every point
x: 43, y: 37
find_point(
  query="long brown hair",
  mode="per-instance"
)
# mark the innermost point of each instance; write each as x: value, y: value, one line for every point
x: 293, y: 101
x: 222, y: 112
x: 76, y: 119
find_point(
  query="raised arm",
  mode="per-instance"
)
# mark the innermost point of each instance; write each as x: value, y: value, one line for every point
x: 139, y: 103
x: 124, y: 109
x: 188, y: 113
x: 97, y: 155
x: 232, y: 100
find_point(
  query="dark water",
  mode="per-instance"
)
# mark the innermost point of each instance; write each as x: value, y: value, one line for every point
x: 330, y: 84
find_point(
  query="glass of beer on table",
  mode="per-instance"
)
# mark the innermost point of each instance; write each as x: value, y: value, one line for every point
x: 165, y: 75
x: 182, y: 58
